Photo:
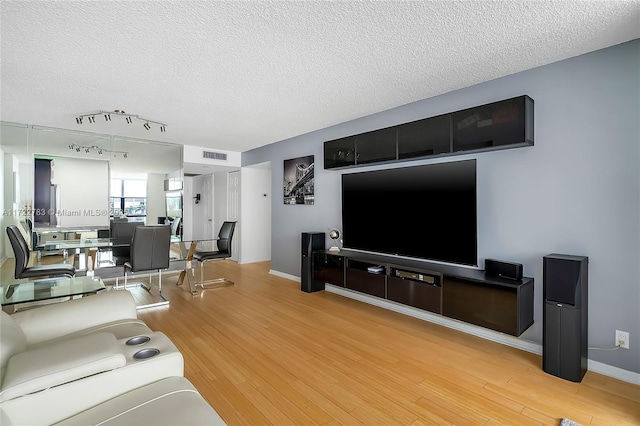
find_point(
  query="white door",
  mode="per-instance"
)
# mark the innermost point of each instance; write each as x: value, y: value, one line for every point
x: 234, y: 211
x: 203, y: 209
x: 206, y: 199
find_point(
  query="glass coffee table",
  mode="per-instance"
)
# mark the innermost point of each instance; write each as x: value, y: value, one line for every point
x: 49, y: 288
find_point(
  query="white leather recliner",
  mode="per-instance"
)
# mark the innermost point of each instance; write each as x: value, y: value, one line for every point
x: 92, y: 358
x: 169, y: 402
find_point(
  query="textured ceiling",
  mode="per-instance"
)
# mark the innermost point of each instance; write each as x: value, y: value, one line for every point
x: 236, y: 75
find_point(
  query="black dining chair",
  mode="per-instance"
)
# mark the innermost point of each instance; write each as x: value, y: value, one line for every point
x: 149, y: 253
x: 22, y: 254
x: 121, y: 234
x: 225, y: 237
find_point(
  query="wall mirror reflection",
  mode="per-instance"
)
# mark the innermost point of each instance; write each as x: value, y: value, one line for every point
x: 70, y: 187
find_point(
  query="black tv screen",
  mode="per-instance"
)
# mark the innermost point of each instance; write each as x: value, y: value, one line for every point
x: 426, y: 212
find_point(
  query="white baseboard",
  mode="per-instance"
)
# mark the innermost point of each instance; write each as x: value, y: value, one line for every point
x: 285, y: 276
x: 614, y: 372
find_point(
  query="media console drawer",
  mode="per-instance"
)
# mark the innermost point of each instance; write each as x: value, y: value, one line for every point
x: 415, y: 293
x: 417, y: 288
x: 366, y: 282
x: 500, y: 308
x: 360, y: 279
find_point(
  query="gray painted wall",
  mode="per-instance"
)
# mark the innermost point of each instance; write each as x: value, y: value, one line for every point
x: 577, y: 191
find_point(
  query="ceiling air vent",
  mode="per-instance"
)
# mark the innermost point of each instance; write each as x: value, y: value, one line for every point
x: 214, y: 155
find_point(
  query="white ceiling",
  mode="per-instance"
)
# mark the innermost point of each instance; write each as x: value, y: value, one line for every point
x: 236, y: 75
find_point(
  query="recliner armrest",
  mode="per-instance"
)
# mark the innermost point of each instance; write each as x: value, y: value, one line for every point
x: 60, y: 319
x: 51, y: 365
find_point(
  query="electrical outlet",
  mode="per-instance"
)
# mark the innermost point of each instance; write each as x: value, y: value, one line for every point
x: 622, y: 339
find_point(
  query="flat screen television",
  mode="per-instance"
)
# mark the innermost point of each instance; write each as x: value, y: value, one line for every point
x: 426, y: 212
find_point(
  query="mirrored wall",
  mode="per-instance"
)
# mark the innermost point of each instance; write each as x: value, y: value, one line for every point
x: 61, y: 184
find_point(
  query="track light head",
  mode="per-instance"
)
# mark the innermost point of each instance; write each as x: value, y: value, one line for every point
x: 79, y: 120
x: 77, y: 149
x: 162, y: 129
x: 125, y: 155
x: 86, y: 150
x: 146, y: 126
x: 107, y: 117
x: 99, y: 152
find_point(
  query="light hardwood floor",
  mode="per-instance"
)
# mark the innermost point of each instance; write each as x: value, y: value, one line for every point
x: 262, y: 352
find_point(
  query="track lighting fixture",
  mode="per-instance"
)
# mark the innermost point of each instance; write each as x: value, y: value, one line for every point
x: 97, y: 149
x: 91, y: 118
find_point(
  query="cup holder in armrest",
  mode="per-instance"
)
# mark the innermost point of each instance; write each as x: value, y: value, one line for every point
x: 138, y: 340
x: 146, y: 353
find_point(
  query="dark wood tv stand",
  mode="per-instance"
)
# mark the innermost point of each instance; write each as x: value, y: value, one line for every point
x: 464, y: 294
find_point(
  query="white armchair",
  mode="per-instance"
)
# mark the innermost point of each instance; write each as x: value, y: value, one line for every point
x: 59, y: 360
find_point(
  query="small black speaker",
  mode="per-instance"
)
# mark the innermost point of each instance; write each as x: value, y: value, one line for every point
x: 502, y: 269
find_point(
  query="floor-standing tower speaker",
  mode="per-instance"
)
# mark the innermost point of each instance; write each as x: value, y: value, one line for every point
x: 564, y: 337
x: 311, y: 241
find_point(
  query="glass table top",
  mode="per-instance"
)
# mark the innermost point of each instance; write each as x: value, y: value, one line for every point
x: 87, y: 243
x: 49, y: 288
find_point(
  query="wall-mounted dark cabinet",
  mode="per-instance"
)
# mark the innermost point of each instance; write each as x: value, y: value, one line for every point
x: 431, y: 136
x: 340, y: 153
x: 464, y: 294
x: 498, y: 125
x: 379, y: 145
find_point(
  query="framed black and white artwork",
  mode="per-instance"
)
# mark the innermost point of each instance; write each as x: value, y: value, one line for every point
x: 298, y: 180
